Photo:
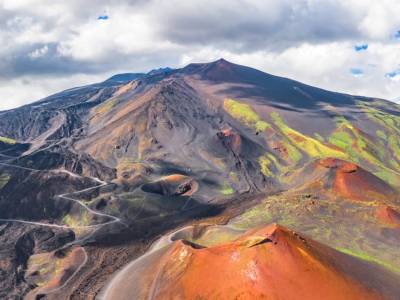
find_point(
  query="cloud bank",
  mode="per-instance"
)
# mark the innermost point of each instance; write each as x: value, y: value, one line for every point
x: 53, y: 45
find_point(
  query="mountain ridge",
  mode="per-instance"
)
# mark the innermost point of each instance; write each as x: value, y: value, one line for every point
x: 124, y: 77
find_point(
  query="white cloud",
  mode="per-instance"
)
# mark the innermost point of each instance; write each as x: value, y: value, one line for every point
x: 20, y: 91
x: 39, y: 52
x: 325, y: 65
x: 127, y: 34
x: 380, y: 18
x: 307, y: 40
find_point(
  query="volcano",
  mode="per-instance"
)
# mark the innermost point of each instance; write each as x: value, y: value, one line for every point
x: 267, y: 263
x: 110, y: 168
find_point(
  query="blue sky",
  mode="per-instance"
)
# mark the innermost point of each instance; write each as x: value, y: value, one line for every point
x: 393, y: 75
x: 356, y: 72
x: 360, y: 48
x: 48, y: 45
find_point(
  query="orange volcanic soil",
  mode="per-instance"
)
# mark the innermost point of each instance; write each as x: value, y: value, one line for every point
x: 61, y: 267
x: 175, y: 184
x: 175, y: 178
x: 184, y: 185
x: 269, y: 263
x: 355, y: 183
x: 388, y: 215
x: 70, y: 263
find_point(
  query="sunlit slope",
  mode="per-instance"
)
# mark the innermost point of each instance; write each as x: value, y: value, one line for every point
x: 268, y: 263
x: 290, y: 148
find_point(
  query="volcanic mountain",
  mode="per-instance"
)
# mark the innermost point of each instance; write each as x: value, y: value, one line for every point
x: 109, y: 167
x: 267, y: 263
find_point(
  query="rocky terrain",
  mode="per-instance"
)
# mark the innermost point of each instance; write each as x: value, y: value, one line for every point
x: 143, y: 185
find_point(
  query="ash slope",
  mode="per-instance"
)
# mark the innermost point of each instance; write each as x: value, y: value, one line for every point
x: 177, y: 145
x: 197, y: 116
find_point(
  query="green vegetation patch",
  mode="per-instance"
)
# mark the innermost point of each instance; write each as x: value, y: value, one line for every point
x: 319, y: 137
x: 358, y: 145
x: 381, y: 134
x: 253, y: 217
x: 294, y: 154
x: 388, y: 176
x: 369, y: 258
x: 226, y: 189
x: 4, y: 178
x: 265, y: 164
x: 217, y: 236
x: 313, y: 147
x: 245, y: 114
x: 76, y: 222
x: 394, y: 145
x: 389, y: 122
x: 361, y: 147
x: 106, y: 106
x: 7, y: 140
x: 341, y: 139
x: 268, y: 163
x: 351, y: 228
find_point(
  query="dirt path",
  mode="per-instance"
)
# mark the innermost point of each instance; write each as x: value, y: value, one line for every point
x: 66, y: 196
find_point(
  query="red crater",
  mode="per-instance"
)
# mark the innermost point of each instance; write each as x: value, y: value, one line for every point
x: 353, y: 182
x: 175, y: 184
x: 388, y: 215
x: 268, y: 263
x: 340, y: 165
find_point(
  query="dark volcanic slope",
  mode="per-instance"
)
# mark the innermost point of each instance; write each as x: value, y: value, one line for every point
x: 210, y: 105
x: 139, y: 154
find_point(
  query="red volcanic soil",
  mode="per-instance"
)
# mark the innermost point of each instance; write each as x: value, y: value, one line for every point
x: 175, y: 184
x: 280, y: 148
x: 355, y: 183
x: 269, y: 263
x: 186, y: 186
x: 63, y: 266
x: 174, y: 178
x: 231, y: 139
x: 72, y: 261
x: 388, y: 215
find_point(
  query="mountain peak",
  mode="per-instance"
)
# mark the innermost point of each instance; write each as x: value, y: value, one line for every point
x: 222, y: 61
x: 219, y: 70
x: 124, y: 77
x: 160, y: 71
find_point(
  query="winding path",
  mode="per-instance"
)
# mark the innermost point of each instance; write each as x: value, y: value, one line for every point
x: 113, y: 284
x: 65, y: 196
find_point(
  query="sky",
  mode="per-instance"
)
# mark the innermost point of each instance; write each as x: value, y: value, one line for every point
x: 350, y: 46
